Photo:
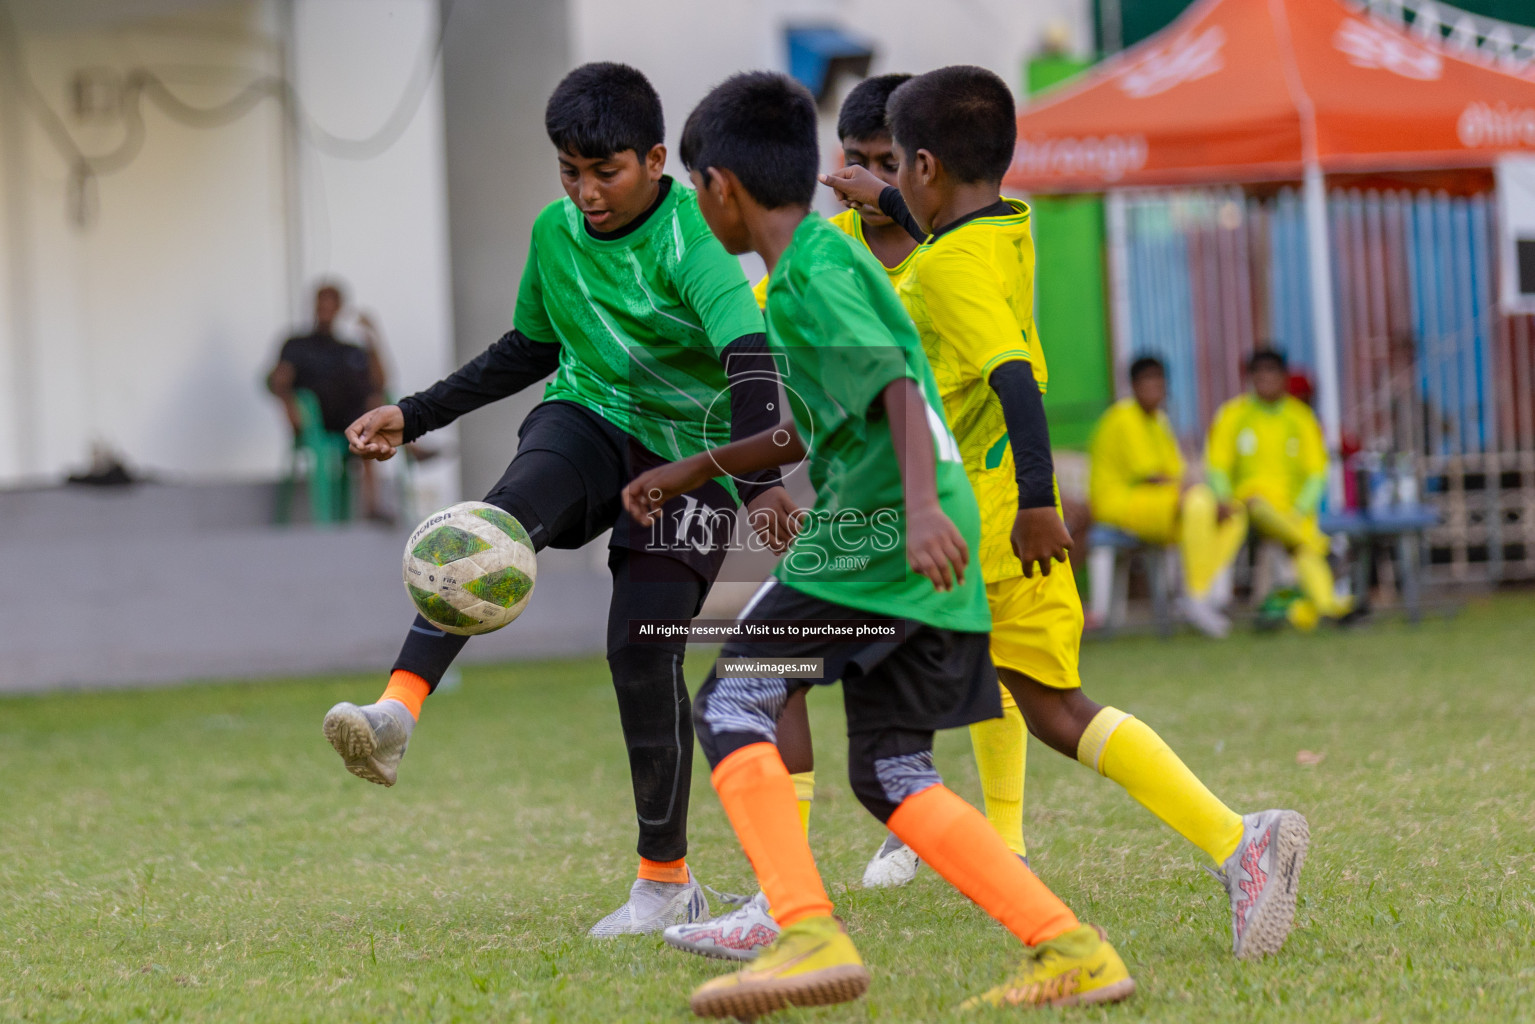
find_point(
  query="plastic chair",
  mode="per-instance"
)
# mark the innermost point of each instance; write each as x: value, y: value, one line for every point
x: 1109, y: 577
x: 320, y: 457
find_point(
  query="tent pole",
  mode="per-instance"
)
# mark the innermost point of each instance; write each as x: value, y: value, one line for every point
x: 1324, y: 327
x: 1122, y: 340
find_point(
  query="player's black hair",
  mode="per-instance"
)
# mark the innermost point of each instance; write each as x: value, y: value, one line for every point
x: 863, y: 112
x: 963, y: 115
x: 761, y: 126
x: 604, y: 108
x: 1267, y: 356
x: 1146, y: 364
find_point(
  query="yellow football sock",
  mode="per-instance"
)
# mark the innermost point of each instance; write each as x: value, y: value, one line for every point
x: 1001, y: 747
x: 1307, y: 545
x: 804, y: 792
x: 1125, y: 749
x: 1289, y: 527
x: 1207, y: 544
x: 1316, y: 583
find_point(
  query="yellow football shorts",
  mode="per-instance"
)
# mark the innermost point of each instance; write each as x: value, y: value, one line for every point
x: 1147, y: 511
x: 1036, y: 626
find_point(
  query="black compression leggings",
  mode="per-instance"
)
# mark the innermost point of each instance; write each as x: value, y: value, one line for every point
x: 546, y: 494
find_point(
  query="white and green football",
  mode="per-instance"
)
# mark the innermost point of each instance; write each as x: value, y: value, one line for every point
x: 470, y: 568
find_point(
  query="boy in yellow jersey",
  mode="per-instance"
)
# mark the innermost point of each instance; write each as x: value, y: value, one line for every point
x: 1137, y: 485
x: 1265, y: 451
x: 970, y: 292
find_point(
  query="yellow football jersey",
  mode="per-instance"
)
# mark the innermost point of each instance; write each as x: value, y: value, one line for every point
x: 970, y: 291
x: 1129, y: 448
x: 851, y: 223
x: 1273, y: 451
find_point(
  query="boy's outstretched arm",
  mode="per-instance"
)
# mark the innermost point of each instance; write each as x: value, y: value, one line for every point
x: 505, y: 368
x: 933, y: 542
x: 1039, y: 536
x: 859, y: 185
x: 777, y: 446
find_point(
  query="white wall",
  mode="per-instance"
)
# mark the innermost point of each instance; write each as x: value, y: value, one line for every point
x: 15, y: 409
x: 138, y: 321
x: 152, y: 327
x: 686, y: 47
x: 500, y: 62
x: 379, y: 225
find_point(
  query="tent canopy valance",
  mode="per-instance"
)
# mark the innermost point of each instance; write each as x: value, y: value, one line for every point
x: 1255, y: 90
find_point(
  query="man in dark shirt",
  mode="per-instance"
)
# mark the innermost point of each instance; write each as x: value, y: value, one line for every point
x: 348, y: 379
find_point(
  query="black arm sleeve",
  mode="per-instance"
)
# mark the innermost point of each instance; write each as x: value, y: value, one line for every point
x: 754, y: 405
x: 503, y: 369
x: 893, y: 205
x: 1028, y: 432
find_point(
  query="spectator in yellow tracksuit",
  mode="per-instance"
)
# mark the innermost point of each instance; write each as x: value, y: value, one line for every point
x: 1137, y: 485
x: 1265, y: 450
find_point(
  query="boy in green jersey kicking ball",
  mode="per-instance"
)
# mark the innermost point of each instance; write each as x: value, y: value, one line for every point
x: 644, y: 321
x: 886, y: 546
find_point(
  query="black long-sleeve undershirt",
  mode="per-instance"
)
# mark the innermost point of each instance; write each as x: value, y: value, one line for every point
x: 1028, y: 432
x: 516, y: 362
x: 893, y: 205
x: 753, y: 377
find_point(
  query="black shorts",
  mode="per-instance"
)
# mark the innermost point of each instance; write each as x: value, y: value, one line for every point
x: 694, y: 529
x: 930, y: 679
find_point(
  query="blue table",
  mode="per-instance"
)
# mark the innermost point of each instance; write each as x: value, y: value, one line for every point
x: 1405, y: 524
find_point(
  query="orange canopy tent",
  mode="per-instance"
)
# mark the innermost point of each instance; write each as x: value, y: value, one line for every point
x: 1241, y: 91
x: 1252, y: 90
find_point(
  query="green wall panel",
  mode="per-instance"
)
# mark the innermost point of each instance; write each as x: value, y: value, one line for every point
x: 1069, y: 294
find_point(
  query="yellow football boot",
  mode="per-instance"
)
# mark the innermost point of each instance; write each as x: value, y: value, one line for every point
x: 1074, y: 968
x: 813, y: 963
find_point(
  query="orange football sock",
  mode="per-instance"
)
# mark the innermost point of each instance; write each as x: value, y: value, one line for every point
x: 758, y: 795
x: 409, y: 689
x: 959, y: 843
x: 674, y: 871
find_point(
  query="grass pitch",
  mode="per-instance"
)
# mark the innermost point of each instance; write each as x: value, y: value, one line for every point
x: 199, y: 854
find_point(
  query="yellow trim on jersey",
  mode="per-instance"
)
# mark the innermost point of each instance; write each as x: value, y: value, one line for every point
x: 851, y: 224
x: 1006, y: 357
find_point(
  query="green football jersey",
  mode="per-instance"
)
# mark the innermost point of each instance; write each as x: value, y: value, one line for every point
x: 842, y: 336
x: 641, y: 320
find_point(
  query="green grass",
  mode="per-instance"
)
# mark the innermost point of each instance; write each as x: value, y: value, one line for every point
x: 199, y: 854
